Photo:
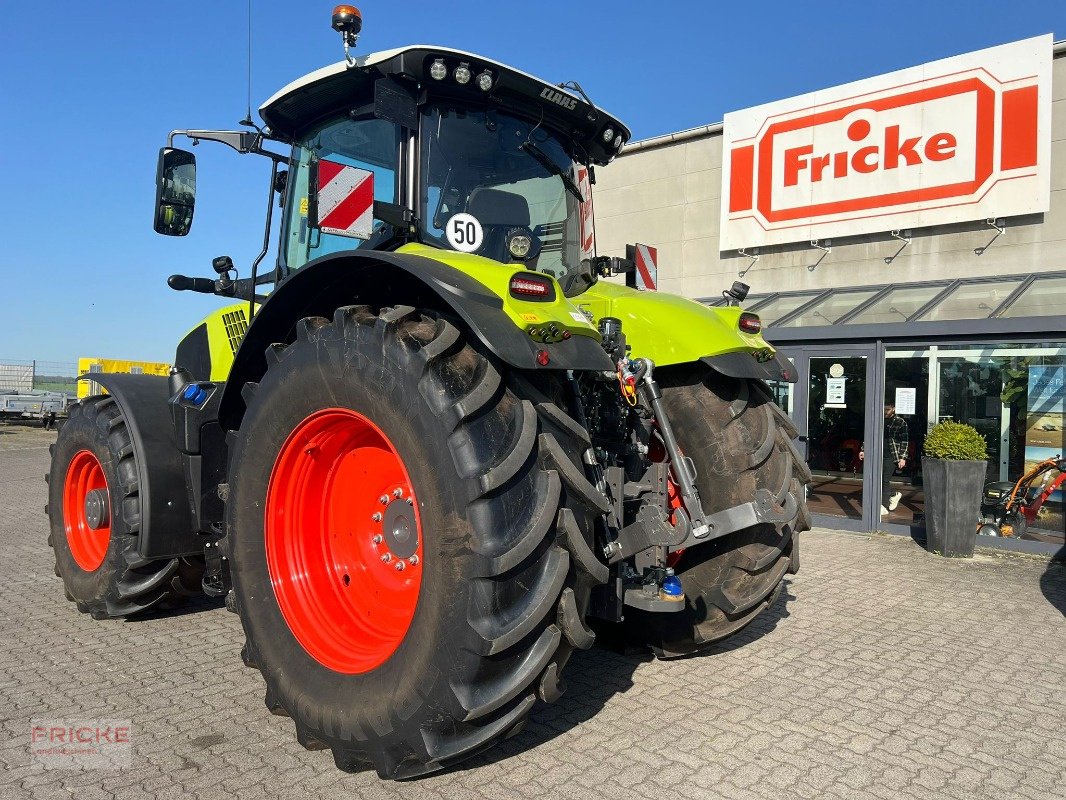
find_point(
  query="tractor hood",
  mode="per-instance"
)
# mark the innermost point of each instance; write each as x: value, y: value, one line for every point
x: 340, y: 87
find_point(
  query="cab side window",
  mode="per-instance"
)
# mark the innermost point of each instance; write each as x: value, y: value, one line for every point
x: 371, y: 144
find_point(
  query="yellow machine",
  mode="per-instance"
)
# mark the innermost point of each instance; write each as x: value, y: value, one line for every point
x: 87, y: 366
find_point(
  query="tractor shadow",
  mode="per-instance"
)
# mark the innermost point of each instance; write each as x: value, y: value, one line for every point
x: 594, y: 678
x: 194, y: 605
x: 1053, y: 581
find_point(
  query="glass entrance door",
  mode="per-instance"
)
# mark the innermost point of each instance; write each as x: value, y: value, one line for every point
x: 836, y: 435
x: 830, y: 405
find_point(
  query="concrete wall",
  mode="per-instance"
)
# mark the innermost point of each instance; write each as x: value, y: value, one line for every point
x: 667, y: 195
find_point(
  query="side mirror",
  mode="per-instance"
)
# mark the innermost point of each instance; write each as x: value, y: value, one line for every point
x: 175, y: 191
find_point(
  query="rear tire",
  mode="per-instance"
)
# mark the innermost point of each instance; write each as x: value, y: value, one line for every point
x: 101, y: 569
x: 740, y: 443
x: 504, y: 518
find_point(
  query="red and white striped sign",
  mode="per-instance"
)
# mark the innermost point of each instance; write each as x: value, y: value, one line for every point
x: 588, y: 231
x: 647, y: 268
x: 345, y: 200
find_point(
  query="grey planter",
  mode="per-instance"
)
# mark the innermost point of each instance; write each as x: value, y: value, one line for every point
x: 952, y: 505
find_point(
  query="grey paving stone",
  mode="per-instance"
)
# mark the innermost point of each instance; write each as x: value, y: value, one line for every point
x: 882, y: 672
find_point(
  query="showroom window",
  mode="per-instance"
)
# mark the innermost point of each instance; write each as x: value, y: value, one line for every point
x: 1012, y: 394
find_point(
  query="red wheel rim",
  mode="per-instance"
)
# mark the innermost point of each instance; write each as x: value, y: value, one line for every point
x: 88, y: 545
x: 340, y: 517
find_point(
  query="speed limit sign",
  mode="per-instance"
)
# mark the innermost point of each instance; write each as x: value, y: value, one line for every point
x: 464, y: 233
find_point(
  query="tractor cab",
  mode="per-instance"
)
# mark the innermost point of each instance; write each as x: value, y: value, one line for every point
x: 425, y: 145
x: 471, y: 155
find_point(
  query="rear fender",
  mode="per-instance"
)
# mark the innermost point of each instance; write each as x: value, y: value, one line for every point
x: 670, y: 330
x: 385, y: 278
x: 167, y: 528
x: 743, y: 364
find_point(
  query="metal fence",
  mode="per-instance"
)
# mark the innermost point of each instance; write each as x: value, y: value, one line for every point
x: 20, y: 375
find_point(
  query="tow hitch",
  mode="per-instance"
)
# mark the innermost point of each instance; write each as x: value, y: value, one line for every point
x: 660, y: 529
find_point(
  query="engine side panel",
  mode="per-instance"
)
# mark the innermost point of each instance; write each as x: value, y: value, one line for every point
x: 207, y: 351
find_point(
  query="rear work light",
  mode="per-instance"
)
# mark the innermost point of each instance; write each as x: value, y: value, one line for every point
x: 528, y: 286
x: 750, y: 323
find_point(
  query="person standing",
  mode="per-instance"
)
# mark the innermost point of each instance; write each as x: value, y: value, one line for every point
x: 895, y: 443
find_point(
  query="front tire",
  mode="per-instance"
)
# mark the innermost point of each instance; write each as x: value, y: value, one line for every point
x: 95, y: 542
x: 405, y: 670
x: 740, y: 443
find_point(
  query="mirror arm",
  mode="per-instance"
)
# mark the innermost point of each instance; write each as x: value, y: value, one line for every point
x: 241, y: 141
x: 266, y: 234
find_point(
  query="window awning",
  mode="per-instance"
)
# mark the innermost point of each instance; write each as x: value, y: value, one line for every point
x: 1037, y: 294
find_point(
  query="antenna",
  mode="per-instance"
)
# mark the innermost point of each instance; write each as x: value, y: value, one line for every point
x: 247, y: 121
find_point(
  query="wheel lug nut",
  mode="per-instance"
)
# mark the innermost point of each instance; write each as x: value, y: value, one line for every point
x: 413, y: 560
x: 376, y: 516
x: 397, y: 492
x: 384, y: 499
x: 377, y: 539
x: 400, y: 566
x: 386, y: 557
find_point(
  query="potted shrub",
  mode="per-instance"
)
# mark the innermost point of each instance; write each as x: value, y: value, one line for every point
x: 953, y: 466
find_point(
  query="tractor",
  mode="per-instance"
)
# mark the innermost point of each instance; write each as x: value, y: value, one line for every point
x: 442, y: 442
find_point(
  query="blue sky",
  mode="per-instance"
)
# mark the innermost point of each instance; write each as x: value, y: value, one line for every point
x: 89, y: 92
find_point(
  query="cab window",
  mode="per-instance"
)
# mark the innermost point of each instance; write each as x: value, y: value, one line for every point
x: 370, y: 144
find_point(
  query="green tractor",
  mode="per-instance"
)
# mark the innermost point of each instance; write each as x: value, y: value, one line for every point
x: 432, y: 451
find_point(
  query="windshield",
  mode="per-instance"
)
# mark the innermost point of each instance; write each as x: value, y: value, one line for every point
x: 486, y: 173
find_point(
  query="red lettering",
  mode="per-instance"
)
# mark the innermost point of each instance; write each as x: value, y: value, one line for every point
x: 57, y: 734
x: 818, y: 165
x: 895, y: 152
x: 861, y: 162
x: 940, y: 147
x: 840, y: 165
x: 894, y: 149
x: 37, y: 733
x: 122, y: 734
x: 84, y: 734
x: 795, y: 161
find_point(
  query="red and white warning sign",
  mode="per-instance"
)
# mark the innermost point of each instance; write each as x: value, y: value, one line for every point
x: 345, y: 200
x: 645, y: 258
x: 961, y: 139
x: 588, y: 230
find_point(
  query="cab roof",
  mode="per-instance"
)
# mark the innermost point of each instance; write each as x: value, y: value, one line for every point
x: 326, y: 91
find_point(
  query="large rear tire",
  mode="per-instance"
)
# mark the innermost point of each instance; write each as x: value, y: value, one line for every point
x: 740, y: 442
x: 406, y: 670
x: 95, y: 542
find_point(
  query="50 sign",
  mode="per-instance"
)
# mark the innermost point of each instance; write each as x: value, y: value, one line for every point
x: 464, y: 233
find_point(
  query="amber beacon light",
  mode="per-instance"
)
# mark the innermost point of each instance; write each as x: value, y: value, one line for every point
x: 348, y: 22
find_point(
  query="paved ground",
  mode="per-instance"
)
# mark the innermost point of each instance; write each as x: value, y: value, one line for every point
x: 883, y: 672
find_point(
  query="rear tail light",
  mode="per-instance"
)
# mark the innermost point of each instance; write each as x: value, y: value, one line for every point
x: 529, y: 286
x: 750, y: 323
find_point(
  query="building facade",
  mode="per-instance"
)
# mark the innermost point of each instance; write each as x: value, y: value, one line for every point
x: 945, y: 299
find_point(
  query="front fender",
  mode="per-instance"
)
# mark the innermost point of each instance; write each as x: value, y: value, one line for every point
x: 387, y: 278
